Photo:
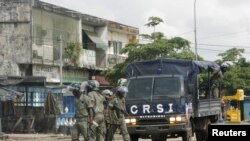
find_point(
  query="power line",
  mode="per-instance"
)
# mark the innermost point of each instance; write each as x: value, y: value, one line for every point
x: 220, y: 45
x: 225, y: 34
x: 183, y: 33
x: 215, y: 50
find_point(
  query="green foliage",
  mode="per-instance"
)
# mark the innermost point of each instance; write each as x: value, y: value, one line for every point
x: 159, y: 46
x: 154, y: 36
x: 233, y: 55
x: 153, y: 21
x: 72, y: 52
x: 115, y: 74
x: 238, y: 74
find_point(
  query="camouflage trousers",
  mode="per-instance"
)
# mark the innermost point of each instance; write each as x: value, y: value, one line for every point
x: 112, y: 129
x: 97, y: 133
x: 80, y: 128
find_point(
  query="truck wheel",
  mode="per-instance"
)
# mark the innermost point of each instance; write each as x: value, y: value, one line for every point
x: 201, y: 135
x: 201, y: 132
x: 187, y: 136
x: 205, y: 132
x: 134, y: 137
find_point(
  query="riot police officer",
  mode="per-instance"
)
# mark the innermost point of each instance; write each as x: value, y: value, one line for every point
x: 109, y: 96
x: 96, y: 111
x: 81, y: 116
x: 117, y: 118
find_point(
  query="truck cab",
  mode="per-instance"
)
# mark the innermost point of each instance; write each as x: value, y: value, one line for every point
x: 163, y: 101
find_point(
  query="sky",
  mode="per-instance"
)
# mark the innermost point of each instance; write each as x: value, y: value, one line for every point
x: 220, y: 24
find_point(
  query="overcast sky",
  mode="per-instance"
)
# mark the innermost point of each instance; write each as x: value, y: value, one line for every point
x: 221, y: 24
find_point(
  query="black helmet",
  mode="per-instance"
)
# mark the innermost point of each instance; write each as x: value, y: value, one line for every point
x: 75, y: 88
x: 224, y: 67
x: 121, y: 91
x: 93, y: 85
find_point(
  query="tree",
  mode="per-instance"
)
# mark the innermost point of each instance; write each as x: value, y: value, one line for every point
x: 176, y: 47
x: 237, y: 76
x: 233, y: 55
x: 153, y: 21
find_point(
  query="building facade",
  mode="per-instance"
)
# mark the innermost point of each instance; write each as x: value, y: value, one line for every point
x: 33, y: 38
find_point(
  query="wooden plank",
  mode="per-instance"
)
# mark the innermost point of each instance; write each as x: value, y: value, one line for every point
x: 17, y: 123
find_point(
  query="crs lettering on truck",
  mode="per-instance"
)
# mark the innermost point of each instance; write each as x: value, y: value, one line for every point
x: 160, y: 108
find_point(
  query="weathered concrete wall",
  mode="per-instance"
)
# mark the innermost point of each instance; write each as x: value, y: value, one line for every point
x: 47, y: 28
x: 8, y: 68
x: 15, y: 31
x: 15, y: 10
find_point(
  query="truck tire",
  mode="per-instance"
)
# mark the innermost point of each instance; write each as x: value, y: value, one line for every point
x: 202, y: 132
x: 134, y: 137
x: 201, y: 135
x: 205, y: 132
x: 187, y: 136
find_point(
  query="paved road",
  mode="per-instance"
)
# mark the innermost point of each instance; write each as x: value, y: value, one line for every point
x: 172, y: 139
x: 60, y: 137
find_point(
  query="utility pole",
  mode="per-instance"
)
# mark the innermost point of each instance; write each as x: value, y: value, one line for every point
x: 195, y: 39
x: 61, y: 61
x: 196, y: 56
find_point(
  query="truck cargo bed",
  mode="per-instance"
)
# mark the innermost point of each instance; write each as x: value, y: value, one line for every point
x: 207, y: 107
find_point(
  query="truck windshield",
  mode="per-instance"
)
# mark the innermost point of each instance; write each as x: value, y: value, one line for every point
x: 140, y: 88
x: 158, y: 87
x: 165, y: 87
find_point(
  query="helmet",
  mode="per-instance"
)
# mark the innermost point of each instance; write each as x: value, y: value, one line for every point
x: 223, y: 67
x: 107, y: 92
x: 93, y: 85
x: 74, y: 86
x: 121, y: 91
x: 122, y: 82
x: 83, y: 86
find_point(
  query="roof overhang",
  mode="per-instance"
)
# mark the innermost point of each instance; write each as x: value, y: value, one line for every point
x: 97, y: 40
x: 22, y: 80
x: 8, y: 94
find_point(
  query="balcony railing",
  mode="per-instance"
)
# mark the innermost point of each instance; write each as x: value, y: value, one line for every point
x: 88, y: 58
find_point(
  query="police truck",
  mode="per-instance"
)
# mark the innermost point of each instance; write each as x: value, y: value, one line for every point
x: 165, y: 100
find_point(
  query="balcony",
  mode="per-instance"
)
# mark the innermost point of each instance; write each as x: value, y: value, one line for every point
x: 123, y: 28
x: 44, y: 54
x: 91, y: 59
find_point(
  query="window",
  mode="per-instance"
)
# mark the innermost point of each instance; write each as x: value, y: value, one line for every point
x: 35, y: 96
x: 139, y: 88
x: 117, y: 47
x: 157, y: 87
x: 167, y: 86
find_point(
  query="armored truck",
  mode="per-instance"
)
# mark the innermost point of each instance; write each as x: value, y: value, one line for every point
x: 164, y: 99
